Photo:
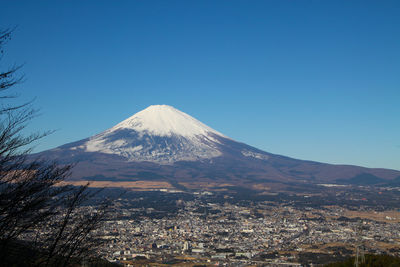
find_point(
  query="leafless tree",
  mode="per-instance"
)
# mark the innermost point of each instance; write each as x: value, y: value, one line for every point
x: 33, y: 197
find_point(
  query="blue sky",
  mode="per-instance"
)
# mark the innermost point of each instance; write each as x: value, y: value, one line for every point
x: 317, y: 80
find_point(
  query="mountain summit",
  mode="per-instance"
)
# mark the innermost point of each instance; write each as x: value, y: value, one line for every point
x: 161, y: 134
x: 164, y: 120
x: 164, y: 144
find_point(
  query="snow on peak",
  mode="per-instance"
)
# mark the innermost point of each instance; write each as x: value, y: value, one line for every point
x: 164, y: 120
x: 159, y: 133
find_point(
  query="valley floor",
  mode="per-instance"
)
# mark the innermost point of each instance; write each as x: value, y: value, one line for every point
x: 205, y: 227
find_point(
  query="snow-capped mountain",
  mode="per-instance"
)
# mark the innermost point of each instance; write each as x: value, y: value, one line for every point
x: 160, y: 134
x: 163, y: 143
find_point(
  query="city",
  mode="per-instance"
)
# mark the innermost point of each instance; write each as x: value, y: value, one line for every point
x: 203, y: 229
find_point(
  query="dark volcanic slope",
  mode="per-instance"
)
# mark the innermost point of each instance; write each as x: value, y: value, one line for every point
x: 162, y: 143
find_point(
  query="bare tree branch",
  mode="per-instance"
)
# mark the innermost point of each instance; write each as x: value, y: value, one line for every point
x: 33, y: 197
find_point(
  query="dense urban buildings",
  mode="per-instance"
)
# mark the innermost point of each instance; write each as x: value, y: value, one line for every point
x: 206, y: 227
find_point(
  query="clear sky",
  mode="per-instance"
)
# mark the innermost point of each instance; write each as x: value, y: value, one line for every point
x: 317, y: 80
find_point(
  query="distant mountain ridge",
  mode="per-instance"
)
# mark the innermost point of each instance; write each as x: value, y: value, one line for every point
x: 163, y: 143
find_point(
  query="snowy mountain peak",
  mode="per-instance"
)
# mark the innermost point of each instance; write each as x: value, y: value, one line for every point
x: 159, y: 133
x: 164, y: 120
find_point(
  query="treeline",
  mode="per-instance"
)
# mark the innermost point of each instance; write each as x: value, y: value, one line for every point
x: 24, y: 254
x: 370, y: 261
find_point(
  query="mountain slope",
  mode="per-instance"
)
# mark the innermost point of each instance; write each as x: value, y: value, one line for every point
x: 163, y: 143
x: 159, y: 134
